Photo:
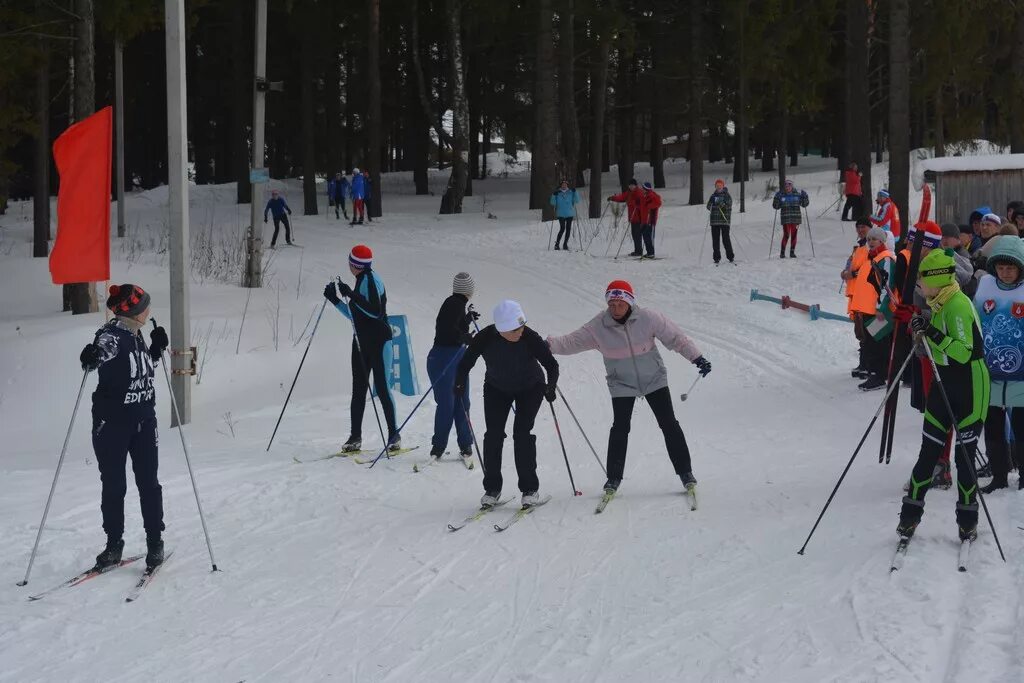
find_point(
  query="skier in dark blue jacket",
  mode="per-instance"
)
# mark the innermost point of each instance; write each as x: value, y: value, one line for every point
x: 337, y: 188
x: 280, y: 210
x: 124, y: 419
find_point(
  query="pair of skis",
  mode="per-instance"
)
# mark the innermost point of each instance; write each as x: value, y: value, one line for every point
x: 355, y: 455
x: 89, y: 574
x: 900, y: 555
x: 431, y: 460
x: 608, y: 496
x: 509, y: 521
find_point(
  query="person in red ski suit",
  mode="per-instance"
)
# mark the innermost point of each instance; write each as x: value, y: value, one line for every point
x: 633, y: 196
x: 649, y: 213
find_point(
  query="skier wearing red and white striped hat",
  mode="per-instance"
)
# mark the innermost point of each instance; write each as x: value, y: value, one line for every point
x: 625, y: 335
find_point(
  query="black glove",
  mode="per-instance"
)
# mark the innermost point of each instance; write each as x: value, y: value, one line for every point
x: 158, y: 341
x: 264, y: 219
x: 703, y: 366
x: 921, y: 324
x: 331, y: 294
x: 90, y: 357
x: 466, y: 338
x: 345, y: 290
x: 550, y: 394
x: 472, y: 315
x: 459, y: 389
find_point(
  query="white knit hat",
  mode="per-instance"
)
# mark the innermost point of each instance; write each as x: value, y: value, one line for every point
x: 463, y: 284
x: 508, y: 316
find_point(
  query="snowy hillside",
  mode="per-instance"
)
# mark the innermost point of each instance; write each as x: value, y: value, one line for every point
x: 334, y: 571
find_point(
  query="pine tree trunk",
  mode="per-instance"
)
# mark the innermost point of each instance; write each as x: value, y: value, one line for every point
x: 696, y: 115
x: 625, y: 119
x: 41, y: 168
x: 598, y: 101
x: 544, y: 174
x: 570, y: 141
x: 1016, y: 86
x: 858, y: 86
x: 373, y: 114
x: 307, y: 19
x: 940, y: 124
x: 77, y: 296
x: 241, y: 110
x: 783, y: 140
x: 460, y: 110
x: 899, y: 106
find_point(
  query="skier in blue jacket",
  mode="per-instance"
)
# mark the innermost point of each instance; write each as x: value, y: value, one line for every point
x: 564, y: 199
x: 358, y: 193
x: 278, y: 207
x: 337, y: 188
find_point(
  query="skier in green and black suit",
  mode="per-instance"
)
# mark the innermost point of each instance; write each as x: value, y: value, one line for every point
x: 954, y: 335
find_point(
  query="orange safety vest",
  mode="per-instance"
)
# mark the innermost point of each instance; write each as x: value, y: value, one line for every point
x: 858, y: 260
x: 865, y: 296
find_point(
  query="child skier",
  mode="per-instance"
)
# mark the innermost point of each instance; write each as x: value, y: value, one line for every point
x: 720, y: 206
x: 564, y: 199
x: 954, y: 336
x: 625, y: 334
x: 124, y: 419
x: 514, y: 354
x: 451, y: 333
x: 790, y: 201
x: 367, y: 308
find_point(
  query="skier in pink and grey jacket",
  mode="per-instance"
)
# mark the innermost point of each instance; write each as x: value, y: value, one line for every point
x: 625, y: 335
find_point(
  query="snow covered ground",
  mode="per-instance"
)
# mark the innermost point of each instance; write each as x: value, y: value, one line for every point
x: 333, y: 571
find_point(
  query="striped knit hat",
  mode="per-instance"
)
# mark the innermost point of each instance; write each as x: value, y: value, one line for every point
x: 620, y: 290
x: 883, y: 194
x: 929, y: 231
x: 360, y: 257
x: 464, y: 284
x: 127, y: 300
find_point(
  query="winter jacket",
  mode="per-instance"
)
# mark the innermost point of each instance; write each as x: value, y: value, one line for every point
x: 565, y: 202
x: 791, y: 204
x: 720, y: 206
x: 852, y: 180
x: 867, y: 288
x: 357, y: 190
x: 631, y: 359
x: 276, y: 206
x: 337, y: 189
x: 1001, y: 309
x: 887, y: 217
x: 634, y: 204
x: 965, y: 272
x: 512, y: 367
x: 125, y: 375
x: 369, y: 308
x: 452, y: 324
x: 650, y: 208
x: 963, y: 343
x: 858, y: 259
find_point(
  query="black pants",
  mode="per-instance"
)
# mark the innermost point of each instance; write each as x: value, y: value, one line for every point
x: 372, y: 361
x: 959, y: 383
x: 1001, y: 454
x: 721, y: 232
x: 647, y: 235
x: 874, y: 354
x: 277, y: 227
x: 854, y: 202
x: 675, y: 441
x: 636, y: 229
x: 113, y: 441
x: 497, y: 403
x: 339, y: 208
x: 564, y: 225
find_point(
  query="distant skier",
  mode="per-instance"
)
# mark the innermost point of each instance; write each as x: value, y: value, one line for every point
x: 564, y: 199
x: 280, y: 210
x: 367, y: 306
x: 791, y: 202
x: 625, y: 335
x: 854, y: 193
x: 720, y: 206
x: 337, y: 188
x: 124, y: 419
x: 451, y: 333
x: 651, y: 207
x: 514, y: 354
x: 358, y: 192
x: 955, y: 338
x: 633, y: 196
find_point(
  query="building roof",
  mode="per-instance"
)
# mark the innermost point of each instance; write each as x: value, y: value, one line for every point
x: 984, y: 162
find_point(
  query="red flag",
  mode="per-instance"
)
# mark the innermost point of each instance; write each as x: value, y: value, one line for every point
x: 82, y: 153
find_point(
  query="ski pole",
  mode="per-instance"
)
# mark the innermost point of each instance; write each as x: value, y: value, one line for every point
x: 867, y: 431
x: 472, y: 431
x: 810, y: 233
x: 707, y: 226
x: 292, y: 388
x: 188, y: 461
x: 689, y: 391
x: 960, y: 442
x: 625, y: 232
x: 558, y: 430
x: 53, y: 486
x: 416, y: 407
x: 615, y: 229
x: 590, y: 445
x: 771, y: 243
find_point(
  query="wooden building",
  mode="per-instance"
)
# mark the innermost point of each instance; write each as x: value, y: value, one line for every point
x: 964, y: 183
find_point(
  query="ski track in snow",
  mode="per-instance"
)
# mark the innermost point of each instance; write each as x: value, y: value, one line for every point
x: 333, y: 571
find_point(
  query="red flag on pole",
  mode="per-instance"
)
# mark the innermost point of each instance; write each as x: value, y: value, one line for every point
x: 82, y: 153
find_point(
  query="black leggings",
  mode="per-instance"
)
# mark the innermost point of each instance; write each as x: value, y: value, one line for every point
x: 1001, y: 454
x: 277, y: 228
x: 113, y: 441
x: 853, y: 201
x: 372, y: 361
x: 497, y: 403
x: 564, y: 225
x: 660, y: 402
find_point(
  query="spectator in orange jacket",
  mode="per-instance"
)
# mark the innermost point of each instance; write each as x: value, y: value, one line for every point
x: 633, y: 196
x: 854, y: 193
x: 651, y: 207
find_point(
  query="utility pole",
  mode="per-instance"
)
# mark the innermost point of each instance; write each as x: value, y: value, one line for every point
x: 119, y: 130
x: 177, y: 184
x: 742, y: 119
x: 253, y: 276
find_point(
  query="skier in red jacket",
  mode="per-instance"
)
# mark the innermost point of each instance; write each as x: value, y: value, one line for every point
x: 649, y: 212
x: 854, y: 193
x: 633, y: 196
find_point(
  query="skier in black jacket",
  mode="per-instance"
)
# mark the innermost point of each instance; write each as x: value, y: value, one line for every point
x: 124, y: 419
x: 452, y: 332
x: 514, y: 354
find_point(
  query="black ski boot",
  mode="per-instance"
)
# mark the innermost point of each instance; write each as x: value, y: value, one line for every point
x: 996, y: 484
x: 689, y: 481
x: 466, y: 452
x: 436, y: 452
x: 873, y: 382
x: 859, y: 372
x: 557, y: 248
x: 968, y: 533
x: 782, y: 254
x: 394, y: 443
x: 154, y: 552
x: 636, y: 253
x: 792, y: 253
x: 111, y: 555
x: 612, y: 485
x: 353, y: 445
x: 906, y: 528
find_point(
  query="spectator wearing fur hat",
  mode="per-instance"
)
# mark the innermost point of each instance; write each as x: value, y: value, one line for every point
x: 625, y: 334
